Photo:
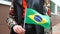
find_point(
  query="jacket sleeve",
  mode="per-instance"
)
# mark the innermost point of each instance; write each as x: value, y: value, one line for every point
x: 11, y: 17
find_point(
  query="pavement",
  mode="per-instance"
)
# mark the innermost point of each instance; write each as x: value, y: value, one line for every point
x: 56, y: 29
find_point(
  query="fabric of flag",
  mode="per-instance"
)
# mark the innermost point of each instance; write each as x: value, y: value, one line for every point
x: 33, y: 17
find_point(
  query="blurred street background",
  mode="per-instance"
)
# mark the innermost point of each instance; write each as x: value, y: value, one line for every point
x: 55, y: 16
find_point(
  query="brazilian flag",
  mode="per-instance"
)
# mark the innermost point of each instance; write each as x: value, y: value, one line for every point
x: 33, y: 17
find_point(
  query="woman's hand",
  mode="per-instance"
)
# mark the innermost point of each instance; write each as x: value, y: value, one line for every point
x: 18, y: 29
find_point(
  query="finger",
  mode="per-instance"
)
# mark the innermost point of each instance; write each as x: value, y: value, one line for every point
x: 16, y: 30
x: 19, y: 30
x: 22, y: 30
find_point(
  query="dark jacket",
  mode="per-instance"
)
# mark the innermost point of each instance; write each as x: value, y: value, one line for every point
x: 16, y: 12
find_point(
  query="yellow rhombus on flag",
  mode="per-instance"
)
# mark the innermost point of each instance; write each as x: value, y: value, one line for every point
x: 41, y: 22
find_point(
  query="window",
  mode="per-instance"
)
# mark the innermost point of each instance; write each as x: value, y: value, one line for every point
x: 58, y: 9
x: 8, y: 0
x: 52, y: 7
x: 55, y: 8
x: 5, y: 2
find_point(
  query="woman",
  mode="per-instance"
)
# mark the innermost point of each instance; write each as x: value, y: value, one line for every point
x: 16, y: 17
